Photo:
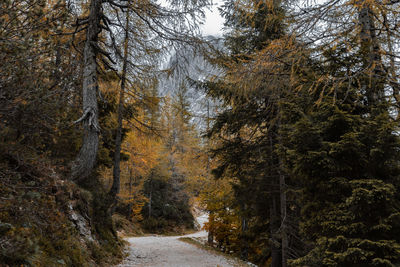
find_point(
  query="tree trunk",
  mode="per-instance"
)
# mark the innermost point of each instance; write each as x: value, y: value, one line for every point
x: 210, y: 234
x: 130, y: 191
x: 118, y: 139
x: 284, y: 237
x: 274, y: 218
x: 244, y: 246
x: 210, y: 238
x: 282, y: 195
x: 151, y: 192
x: 274, y: 228
x: 372, y: 61
x: 85, y: 161
x: 393, y: 77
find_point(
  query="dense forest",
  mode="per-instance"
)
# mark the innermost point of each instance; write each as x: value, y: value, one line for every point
x: 120, y: 118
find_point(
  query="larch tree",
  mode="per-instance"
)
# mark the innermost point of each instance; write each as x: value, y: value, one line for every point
x: 115, y: 188
x: 84, y: 163
x: 39, y: 72
x: 254, y: 83
x: 171, y: 25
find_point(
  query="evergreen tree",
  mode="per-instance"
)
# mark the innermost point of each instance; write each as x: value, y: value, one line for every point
x: 347, y: 166
x: 249, y: 127
x: 340, y: 145
x: 293, y: 117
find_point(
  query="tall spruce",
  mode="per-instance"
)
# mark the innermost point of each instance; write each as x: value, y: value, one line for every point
x: 250, y: 128
x: 341, y: 145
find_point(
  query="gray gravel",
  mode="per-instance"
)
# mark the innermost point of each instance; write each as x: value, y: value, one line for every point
x: 169, y: 251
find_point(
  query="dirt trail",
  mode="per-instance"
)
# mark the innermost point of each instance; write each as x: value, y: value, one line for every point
x: 169, y: 251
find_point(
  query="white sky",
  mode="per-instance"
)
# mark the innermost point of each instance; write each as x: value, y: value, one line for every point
x: 214, y: 22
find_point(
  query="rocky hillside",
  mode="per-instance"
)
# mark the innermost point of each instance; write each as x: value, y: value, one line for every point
x: 46, y: 220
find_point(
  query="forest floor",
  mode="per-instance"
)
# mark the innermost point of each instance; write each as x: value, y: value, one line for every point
x: 170, y: 251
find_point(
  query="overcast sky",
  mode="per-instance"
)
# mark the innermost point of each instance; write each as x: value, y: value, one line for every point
x: 214, y: 22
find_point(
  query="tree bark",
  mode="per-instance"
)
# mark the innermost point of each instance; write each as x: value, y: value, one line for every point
x: 85, y: 161
x: 274, y: 209
x: 130, y: 191
x: 210, y: 234
x: 244, y: 251
x: 210, y: 238
x: 282, y: 194
x: 284, y: 237
x: 372, y: 60
x: 274, y: 228
x: 151, y: 192
x: 115, y: 188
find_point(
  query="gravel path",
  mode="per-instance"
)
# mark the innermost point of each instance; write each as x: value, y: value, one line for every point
x: 169, y: 251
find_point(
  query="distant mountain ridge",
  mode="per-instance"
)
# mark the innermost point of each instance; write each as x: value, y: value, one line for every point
x: 190, y: 66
